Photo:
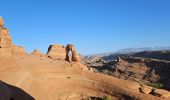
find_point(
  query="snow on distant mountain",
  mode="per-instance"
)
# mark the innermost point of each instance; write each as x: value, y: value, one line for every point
x: 131, y: 50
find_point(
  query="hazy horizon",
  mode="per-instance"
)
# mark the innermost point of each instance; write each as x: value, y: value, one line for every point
x: 93, y: 26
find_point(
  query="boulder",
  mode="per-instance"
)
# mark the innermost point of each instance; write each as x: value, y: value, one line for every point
x: 18, y: 50
x: 36, y: 52
x: 145, y: 89
x: 161, y: 93
x: 56, y: 51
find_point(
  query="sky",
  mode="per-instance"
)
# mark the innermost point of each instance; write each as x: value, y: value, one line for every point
x: 93, y: 26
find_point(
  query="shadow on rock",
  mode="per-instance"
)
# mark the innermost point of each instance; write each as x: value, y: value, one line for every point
x: 9, y: 92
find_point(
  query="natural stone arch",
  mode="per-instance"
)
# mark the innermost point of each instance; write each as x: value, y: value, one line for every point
x: 74, y: 54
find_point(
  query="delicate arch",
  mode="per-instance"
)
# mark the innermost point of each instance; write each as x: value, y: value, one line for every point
x: 74, y: 55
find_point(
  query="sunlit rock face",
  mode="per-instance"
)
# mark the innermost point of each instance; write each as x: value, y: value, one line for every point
x: 37, y: 52
x: 6, y: 44
x: 56, y: 51
x: 74, y: 54
x: 18, y: 50
x: 1, y: 21
x: 5, y: 38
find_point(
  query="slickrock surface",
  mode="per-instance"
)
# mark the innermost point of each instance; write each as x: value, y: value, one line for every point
x: 45, y: 79
x: 56, y: 51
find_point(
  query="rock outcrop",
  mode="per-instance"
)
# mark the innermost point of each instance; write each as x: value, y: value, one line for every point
x: 68, y: 50
x: 56, y: 51
x: 18, y: 50
x: 36, y: 52
x: 142, y: 69
x: 161, y: 93
x: 6, y: 44
x: 149, y: 71
x: 5, y: 38
x: 74, y: 54
x: 145, y: 89
x: 1, y: 21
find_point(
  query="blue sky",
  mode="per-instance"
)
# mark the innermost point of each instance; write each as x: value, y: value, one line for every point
x: 94, y: 26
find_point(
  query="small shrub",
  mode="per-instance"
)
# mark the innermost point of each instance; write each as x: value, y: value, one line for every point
x: 106, y: 98
x: 154, y: 85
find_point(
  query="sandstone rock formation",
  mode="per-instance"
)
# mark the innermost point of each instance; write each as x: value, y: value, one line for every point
x: 18, y: 50
x: 142, y: 69
x: 145, y: 89
x: 36, y: 52
x: 161, y: 93
x: 56, y: 51
x: 6, y: 44
x: 74, y: 54
x: 68, y: 50
x: 1, y: 21
x: 5, y: 38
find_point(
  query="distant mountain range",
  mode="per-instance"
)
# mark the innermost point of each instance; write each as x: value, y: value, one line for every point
x: 132, y: 50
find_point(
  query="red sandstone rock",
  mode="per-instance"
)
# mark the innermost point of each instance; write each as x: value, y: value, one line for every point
x: 36, y: 52
x: 75, y: 56
x: 18, y: 50
x: 145, y: 89
x: 5, y: 38
x: 1, y: 21
x: 56, y: 51
x: 161, y: 93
